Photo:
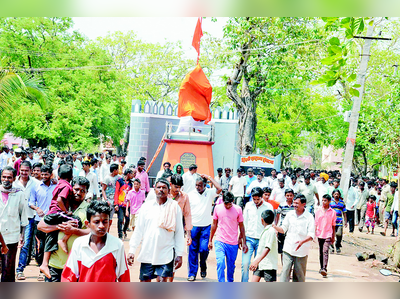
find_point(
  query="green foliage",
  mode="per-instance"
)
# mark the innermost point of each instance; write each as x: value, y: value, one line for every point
x: 85, y: 101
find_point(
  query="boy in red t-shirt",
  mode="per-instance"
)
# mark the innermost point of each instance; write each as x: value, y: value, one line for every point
x: 59, y: 213
x: 267, y: 193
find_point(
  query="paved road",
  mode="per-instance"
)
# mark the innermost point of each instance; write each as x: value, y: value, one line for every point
x: 342, y: 268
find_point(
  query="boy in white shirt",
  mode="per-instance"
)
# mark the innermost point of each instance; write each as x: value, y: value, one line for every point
x: 266, y: 263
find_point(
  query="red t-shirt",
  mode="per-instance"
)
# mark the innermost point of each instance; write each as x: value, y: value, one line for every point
x: 371, y: 209
x: 63, y: 190
x: 274, y: 203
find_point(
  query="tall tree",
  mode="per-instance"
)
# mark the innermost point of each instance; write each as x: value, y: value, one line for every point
x: 267, y: 57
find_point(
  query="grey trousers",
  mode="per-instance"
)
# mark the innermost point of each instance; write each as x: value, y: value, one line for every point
x: 361, y: 216
x: 299, y: 265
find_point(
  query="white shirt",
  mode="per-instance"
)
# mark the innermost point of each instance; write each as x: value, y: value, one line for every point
x: 278, y: 194
x: 189, y: 182
x: 254, y: 184
x: 13, y: 216
x: 201, y: 206
x: 158, y: 244
x: 271, y: 181
x: 32, y: 161
x: 322, y: 189
x: 298, y: 229
x: 104, y: 171
x: 27, y: 192
x: 94, y: 186
x: 238, y: 185
x: 294, y: 187
x: 3, y: 159
x: 82, y: 253
x: 252, y: 219
x: 159, y: 174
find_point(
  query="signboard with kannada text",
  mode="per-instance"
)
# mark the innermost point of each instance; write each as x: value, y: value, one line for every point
x: 260, y: 161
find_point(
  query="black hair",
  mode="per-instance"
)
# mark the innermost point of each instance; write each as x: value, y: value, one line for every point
x: 336, y: 181
x: 37, y: 164
x: 289, y: 191
x: 163, y: 181
x: 228, y: 197
x: 26, y: 163
x: 302, y: 198
x: 281, y: 180
x: 136, y: 180
x: 267, y: 190
x: 9, y: 168
x: 337, y: 190
x: 257, y: 191
x: 167, y: 163
x: 97, y: 207
x: 82, y: 181
x: 293, y: 177
x: 128, y: 171
x: 393, y: 185
x: 327, y: 196
x: 123, y: 162
x: 361, y: 183
x: 65, y: 172
x: 141, y: 163
x: 268, y: 216
x: 142, y: 159
x: 307, y: 176
x: 166, y: 174
x: 373, y: 197
x: 239, y: 170
x: 176, y: 179
x: 219, y: 169
x: 201, y: 179
x: 113, y: 167
x: 114, y: 155
x: 86, y: 163
x: 192, y: 166
x: 46, y: 168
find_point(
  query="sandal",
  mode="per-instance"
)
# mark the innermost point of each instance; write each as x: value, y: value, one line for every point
x: 41, y: 277
x: 20, y: 276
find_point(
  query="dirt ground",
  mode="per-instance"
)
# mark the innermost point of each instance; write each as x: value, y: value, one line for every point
x: 342, y: 267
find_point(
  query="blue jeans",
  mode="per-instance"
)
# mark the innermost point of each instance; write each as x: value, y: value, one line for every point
x: 252, y: 244
x: 310, y: 209
x: 395, y: 218
x: 229, y: 252
x: 26, y: 250
x: 199, y: 246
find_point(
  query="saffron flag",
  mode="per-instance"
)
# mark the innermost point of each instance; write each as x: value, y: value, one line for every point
x: 198, y: 33
x: 195, y: 96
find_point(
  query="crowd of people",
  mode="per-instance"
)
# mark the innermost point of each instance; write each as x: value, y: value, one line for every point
x: 58, y: 209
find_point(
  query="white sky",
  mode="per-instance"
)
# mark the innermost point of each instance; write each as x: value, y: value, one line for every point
x: 153, y: 30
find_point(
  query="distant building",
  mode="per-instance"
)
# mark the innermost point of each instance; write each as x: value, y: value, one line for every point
x: 332, y: 159
x: 13, y: 142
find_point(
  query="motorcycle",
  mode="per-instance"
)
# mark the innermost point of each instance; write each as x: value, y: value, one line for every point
x: 386, y: 272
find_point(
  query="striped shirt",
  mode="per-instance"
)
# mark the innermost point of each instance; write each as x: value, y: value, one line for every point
x: 339, y: 208
x: 283, y: 210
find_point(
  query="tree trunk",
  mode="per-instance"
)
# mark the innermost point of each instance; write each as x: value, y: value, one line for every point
x: 245, y: 103
x: 247, y: 130
x: 126, y: 138
x: 365, y: 168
